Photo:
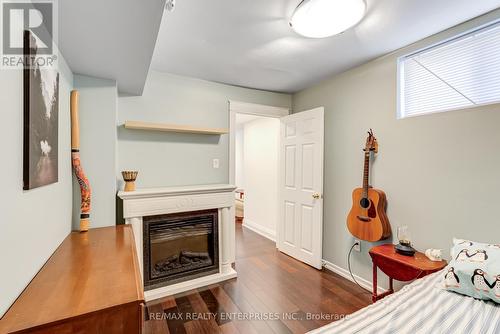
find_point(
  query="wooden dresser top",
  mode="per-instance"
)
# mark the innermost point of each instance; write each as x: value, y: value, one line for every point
x: 88, y: 272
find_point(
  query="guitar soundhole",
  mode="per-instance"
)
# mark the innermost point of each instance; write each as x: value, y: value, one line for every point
x: 365, y: 203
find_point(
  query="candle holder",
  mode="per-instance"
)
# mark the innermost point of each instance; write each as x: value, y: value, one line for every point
x: 129, y: 177
x: 404, y: 247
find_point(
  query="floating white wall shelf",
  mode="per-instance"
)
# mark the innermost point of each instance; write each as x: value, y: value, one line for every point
x: 138, y: 125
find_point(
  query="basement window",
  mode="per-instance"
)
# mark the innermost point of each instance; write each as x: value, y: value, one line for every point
x: 458, y: 73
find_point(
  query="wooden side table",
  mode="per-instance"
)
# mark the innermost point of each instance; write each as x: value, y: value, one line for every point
x: 400, y: 267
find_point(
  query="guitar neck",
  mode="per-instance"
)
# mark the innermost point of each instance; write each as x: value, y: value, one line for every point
x: 366, y: 174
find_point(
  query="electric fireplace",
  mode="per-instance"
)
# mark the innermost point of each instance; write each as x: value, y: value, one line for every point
x: 184, y: 236
x: 179, y: 247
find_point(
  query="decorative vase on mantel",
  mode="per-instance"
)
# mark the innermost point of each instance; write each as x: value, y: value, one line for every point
x: 129, y: 177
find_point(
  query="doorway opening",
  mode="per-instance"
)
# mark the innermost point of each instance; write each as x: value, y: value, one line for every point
x: 276, y: 162
x: 256, y: 173
x: 254, y: 165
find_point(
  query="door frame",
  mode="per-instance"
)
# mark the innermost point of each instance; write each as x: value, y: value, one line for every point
x: 238, y: 107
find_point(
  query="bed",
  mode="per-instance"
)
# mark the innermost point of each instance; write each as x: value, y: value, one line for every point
x: 421, y: 307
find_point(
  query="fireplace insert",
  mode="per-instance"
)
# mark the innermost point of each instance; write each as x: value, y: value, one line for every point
x: 179, y: 247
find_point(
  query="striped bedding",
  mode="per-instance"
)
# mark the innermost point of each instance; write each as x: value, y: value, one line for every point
x: 421, y: 307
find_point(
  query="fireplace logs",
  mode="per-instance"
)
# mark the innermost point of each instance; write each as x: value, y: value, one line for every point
x: 194, y: 256
x: 168, y: 263
x: 186, y: 260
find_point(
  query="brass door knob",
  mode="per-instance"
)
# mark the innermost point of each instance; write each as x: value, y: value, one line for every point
x: 316, y: 196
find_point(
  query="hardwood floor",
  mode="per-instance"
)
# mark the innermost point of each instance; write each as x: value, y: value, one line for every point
x: 273, y: 293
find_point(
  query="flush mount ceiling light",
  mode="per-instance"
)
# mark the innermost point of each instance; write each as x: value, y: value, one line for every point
x: 323, y: 18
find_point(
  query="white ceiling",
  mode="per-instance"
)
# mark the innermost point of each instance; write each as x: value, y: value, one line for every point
x: 112, y: 39
x: 249, y: 43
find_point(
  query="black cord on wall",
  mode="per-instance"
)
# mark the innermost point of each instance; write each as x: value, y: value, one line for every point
x: 349, y: 267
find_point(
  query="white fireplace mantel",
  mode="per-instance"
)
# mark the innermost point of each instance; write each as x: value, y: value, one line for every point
x: 156, y: 201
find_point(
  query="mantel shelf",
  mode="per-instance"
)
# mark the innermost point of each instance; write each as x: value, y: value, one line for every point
x: 149, y: 126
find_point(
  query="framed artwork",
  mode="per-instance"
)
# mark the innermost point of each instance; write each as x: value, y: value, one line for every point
x: 41, y: 107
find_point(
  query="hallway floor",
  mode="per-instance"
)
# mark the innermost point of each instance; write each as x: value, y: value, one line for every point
x: 273, y: 293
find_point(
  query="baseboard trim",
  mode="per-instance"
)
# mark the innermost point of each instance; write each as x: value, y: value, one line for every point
x: 368, y: 285
x: 263, y: 231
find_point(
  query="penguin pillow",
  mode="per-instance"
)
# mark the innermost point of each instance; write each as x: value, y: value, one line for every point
x: 474, y: 270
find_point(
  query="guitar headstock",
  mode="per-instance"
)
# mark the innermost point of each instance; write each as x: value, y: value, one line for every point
x: 371, y: 142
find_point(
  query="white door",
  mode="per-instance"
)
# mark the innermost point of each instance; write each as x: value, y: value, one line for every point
x: 300, y: 232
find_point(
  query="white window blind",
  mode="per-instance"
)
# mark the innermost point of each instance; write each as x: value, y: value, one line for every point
x: 460, y: 73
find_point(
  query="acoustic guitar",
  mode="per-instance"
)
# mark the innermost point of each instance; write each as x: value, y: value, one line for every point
x: 367, y: 219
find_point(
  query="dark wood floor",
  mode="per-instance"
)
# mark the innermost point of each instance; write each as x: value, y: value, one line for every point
x: 273, y: 293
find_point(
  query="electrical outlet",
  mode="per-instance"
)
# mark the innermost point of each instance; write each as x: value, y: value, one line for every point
x: 357, y: 246
x: 215, y: 163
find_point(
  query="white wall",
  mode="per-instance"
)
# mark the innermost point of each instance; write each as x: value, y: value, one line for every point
x: 98, y: 137
x: 440, y: 172
x: 166, y: 159
x: 260, y: 163
x: 34, y: 222
x: 239, y: 171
